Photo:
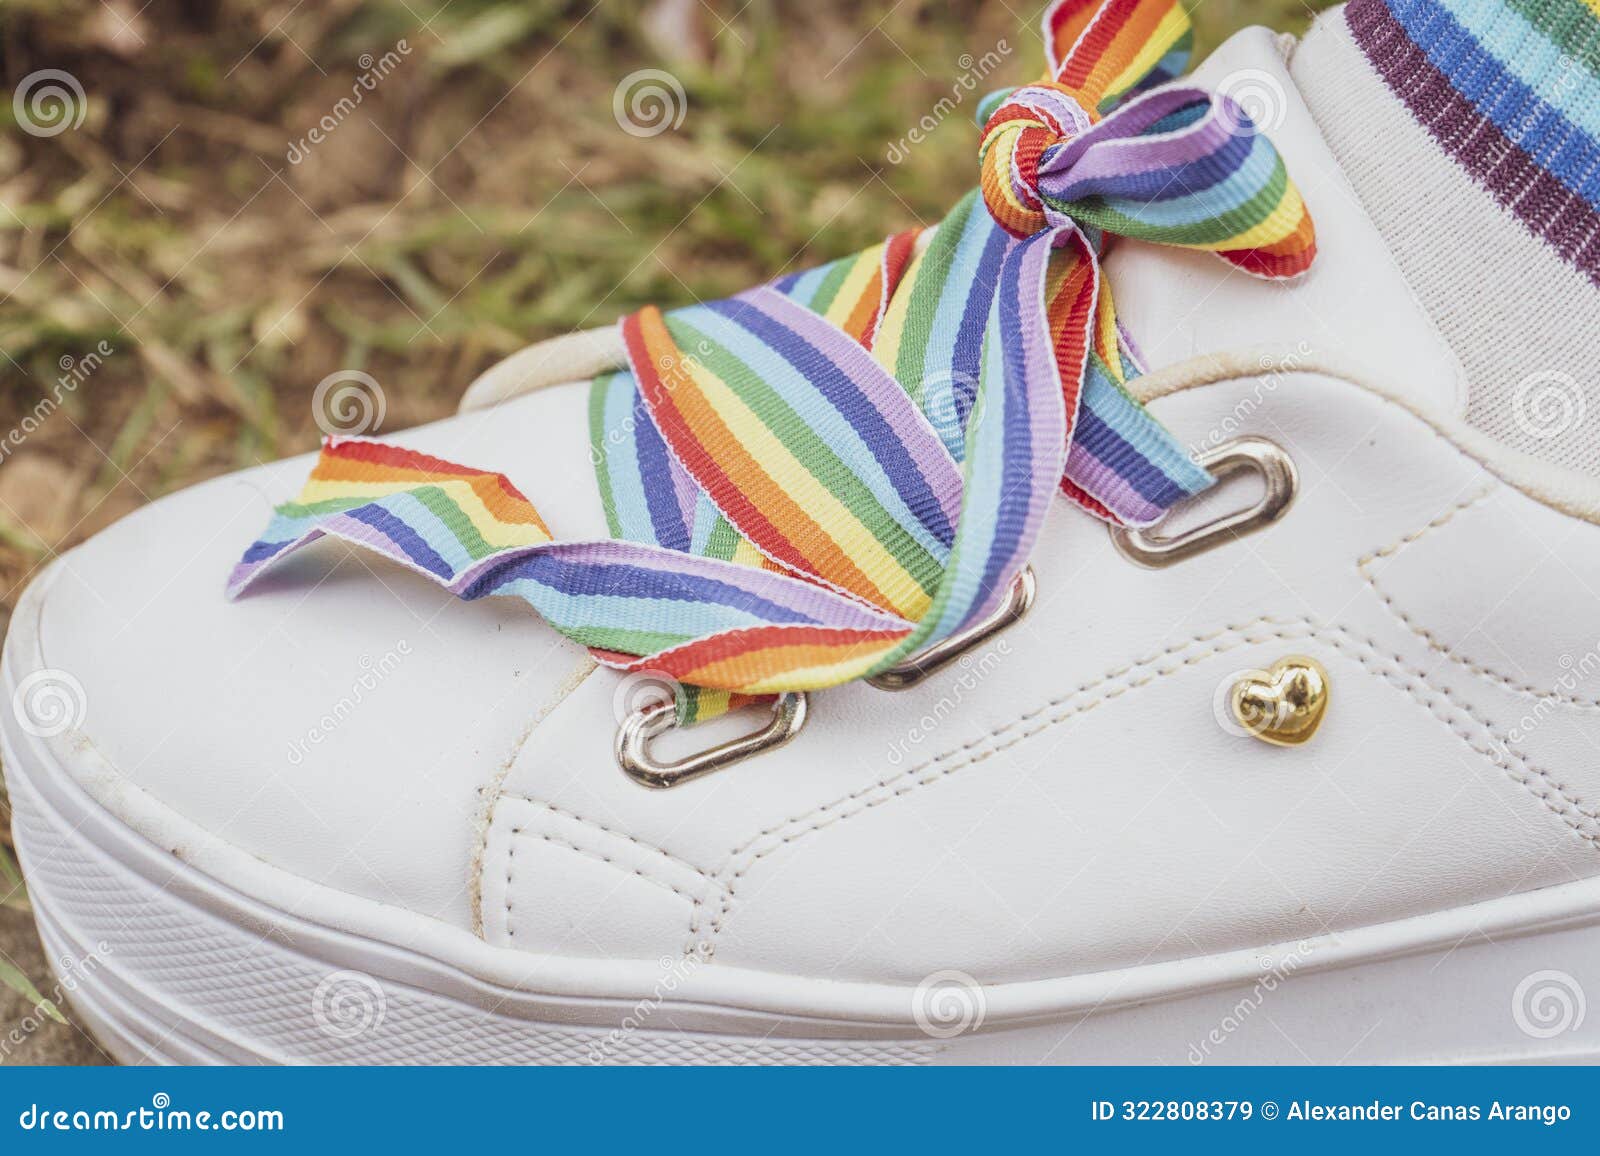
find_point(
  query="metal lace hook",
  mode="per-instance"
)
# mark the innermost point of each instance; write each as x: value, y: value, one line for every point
x: 648, y: 722
x: 1148, y: 547
x: 929, y: 662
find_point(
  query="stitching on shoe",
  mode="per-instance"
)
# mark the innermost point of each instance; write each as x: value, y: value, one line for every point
x: 1566, y: 492
x: 492, y: 791
x: 590, y: 853
x: 1553, y: 797
x: 1432, y: 641
x: 696, y: 901
x: 511, y: 858
x: 640, y: 843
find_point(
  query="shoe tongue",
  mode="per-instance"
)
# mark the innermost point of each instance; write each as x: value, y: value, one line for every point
x: 1354, y: 305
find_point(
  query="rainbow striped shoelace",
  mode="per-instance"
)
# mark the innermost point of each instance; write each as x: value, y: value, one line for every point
x: 813, y: 480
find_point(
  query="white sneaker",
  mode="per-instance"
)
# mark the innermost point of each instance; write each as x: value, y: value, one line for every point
x: 350, y: 818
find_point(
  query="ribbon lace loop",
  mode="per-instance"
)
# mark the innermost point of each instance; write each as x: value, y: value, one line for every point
x: 810, y: 481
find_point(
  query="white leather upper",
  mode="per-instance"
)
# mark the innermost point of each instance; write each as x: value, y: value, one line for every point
x: 343, y: 723
x: 1069, y: 802
x: 1064, y: 801
x: 1353, y: 301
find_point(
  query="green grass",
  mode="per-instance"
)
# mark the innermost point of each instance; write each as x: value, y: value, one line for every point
x: 481, y: 196
x: 14, y: 897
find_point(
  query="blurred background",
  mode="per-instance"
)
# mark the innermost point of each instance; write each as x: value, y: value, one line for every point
x: 208, y: 207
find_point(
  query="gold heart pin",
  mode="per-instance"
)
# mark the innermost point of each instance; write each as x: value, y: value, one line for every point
x: 1283, y: 706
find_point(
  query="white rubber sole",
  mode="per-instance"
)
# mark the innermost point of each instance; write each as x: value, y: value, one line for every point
x: 165, y: 965
x: 175, y: 948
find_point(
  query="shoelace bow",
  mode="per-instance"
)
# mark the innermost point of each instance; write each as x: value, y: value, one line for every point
x: 815, y: 479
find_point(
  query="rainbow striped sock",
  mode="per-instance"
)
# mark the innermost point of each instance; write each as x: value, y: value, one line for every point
x: 1470, y: 130
x: 1511, y: 90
